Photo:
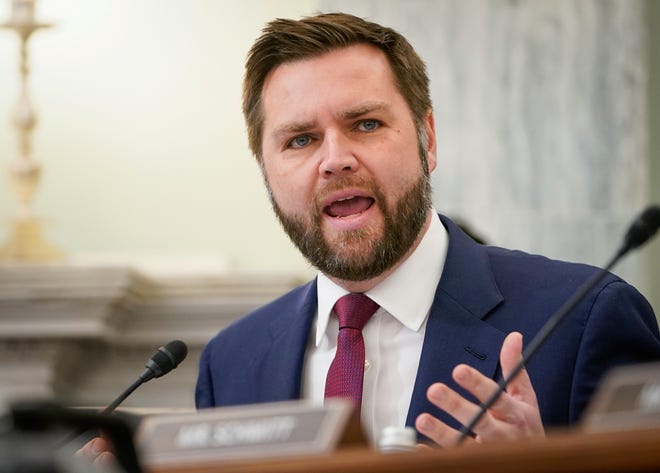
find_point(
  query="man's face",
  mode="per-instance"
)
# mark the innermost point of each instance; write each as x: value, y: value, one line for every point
x: 341, y: 158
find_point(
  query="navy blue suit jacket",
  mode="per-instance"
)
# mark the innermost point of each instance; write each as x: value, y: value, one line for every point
x: 484, y: 294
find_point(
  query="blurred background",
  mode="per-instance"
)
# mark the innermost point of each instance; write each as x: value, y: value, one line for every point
x: 547, y: 114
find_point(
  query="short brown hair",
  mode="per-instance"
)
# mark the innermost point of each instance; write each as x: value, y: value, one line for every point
x: 284, y: 41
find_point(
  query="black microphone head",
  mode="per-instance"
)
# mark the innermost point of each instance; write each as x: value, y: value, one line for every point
x: 177, y: 350
x: 165, y: 360
x: 643, y: 228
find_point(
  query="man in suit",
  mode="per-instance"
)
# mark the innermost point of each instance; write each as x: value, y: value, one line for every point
x: 340, y: 120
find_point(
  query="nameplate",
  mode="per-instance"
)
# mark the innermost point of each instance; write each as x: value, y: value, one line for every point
x: 627, y: 398
x: 291, y: 428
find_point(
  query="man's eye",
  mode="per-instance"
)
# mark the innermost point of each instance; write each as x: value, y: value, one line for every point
x: 368, y: 125
x: 300, y: 141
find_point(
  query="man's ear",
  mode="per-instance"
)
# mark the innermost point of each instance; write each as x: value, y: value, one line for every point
x: 429, y: 127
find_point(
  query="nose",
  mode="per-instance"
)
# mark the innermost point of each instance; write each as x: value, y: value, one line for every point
x: 337, y: 156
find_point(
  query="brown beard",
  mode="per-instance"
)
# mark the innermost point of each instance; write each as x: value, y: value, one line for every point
x: 341, y: 259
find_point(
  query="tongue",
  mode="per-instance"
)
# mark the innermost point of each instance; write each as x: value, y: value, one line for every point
x: 352, y: 206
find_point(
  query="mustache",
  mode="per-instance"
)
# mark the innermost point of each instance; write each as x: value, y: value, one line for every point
x: 364, y: 184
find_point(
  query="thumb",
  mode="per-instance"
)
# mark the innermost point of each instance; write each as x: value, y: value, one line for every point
x: 521, y: 386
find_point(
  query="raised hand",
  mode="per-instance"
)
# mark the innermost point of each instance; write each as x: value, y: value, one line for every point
x: 514, y: 415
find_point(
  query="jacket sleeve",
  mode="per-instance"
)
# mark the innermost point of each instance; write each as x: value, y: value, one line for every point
x: 620, y: 328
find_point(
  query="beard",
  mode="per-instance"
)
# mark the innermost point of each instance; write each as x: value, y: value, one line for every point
x: 362, y: 254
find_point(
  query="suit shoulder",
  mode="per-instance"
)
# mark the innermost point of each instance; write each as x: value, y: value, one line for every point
x: 533, y: 269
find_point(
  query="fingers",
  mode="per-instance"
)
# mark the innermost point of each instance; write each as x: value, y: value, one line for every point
x: 514, y: 414
x: 437, y: 431
x: 483, y: 389
x: 511, y: 352
x: 453, y: 403
x: 476, y: 383
x: 519, y: 389
x: 97, y: 450
x: 105, y: 458
x: 93, y: 448
x: 507, y: 419
x: 521, y: 386
x: 458, y: 407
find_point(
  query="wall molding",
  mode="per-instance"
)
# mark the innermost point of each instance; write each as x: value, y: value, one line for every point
x: 80, y: 335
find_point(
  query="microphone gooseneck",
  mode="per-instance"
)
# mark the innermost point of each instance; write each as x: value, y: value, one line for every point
x: 640, y: 231
x: 162, y: 362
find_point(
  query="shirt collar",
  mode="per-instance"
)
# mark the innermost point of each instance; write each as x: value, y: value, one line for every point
x: 407, y: 294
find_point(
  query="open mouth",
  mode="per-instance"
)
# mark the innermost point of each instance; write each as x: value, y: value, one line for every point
x: 348, y: 206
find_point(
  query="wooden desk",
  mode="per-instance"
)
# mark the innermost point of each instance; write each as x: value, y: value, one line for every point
x: 631, y: 451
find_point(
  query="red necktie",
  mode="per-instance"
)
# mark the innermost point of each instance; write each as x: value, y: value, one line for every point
x: 346, y: 373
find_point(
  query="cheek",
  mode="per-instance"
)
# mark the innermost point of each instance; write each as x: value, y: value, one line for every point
x: 404, y: 170
x: 292, y: 191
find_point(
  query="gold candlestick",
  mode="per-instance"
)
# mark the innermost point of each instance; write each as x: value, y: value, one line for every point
x: 26, y: 241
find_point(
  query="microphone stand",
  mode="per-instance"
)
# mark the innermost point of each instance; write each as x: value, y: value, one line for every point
x: 129, y: 390
x: 536, y: 343
x: 162, y: 362
x: 642, y: 229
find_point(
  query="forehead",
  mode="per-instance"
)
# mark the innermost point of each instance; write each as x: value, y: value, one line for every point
x: 340, y: 59
x: 332, y: 80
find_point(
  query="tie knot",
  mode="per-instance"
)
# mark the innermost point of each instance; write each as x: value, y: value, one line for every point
x: 354, y: 310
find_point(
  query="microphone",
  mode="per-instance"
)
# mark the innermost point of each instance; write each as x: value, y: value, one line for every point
x: 640, y: 231
x: 162, y: 362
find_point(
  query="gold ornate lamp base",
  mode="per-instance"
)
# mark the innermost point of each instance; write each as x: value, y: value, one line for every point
x: 26, y: 243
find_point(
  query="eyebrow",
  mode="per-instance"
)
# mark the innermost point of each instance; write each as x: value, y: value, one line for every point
x: 292, y: 128
x: 363, y: 109
x: 355, y: 112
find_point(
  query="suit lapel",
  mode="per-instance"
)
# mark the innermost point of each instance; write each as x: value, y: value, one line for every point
x: 455, y: 331
x: 281, y: 360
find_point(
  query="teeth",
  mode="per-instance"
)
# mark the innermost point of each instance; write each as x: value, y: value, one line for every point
x: 346, y: 198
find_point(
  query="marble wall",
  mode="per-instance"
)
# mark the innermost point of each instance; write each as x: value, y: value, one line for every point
x: 541, y: 117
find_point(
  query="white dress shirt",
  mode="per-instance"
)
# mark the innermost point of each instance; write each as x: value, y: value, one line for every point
x: 393, y: 336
